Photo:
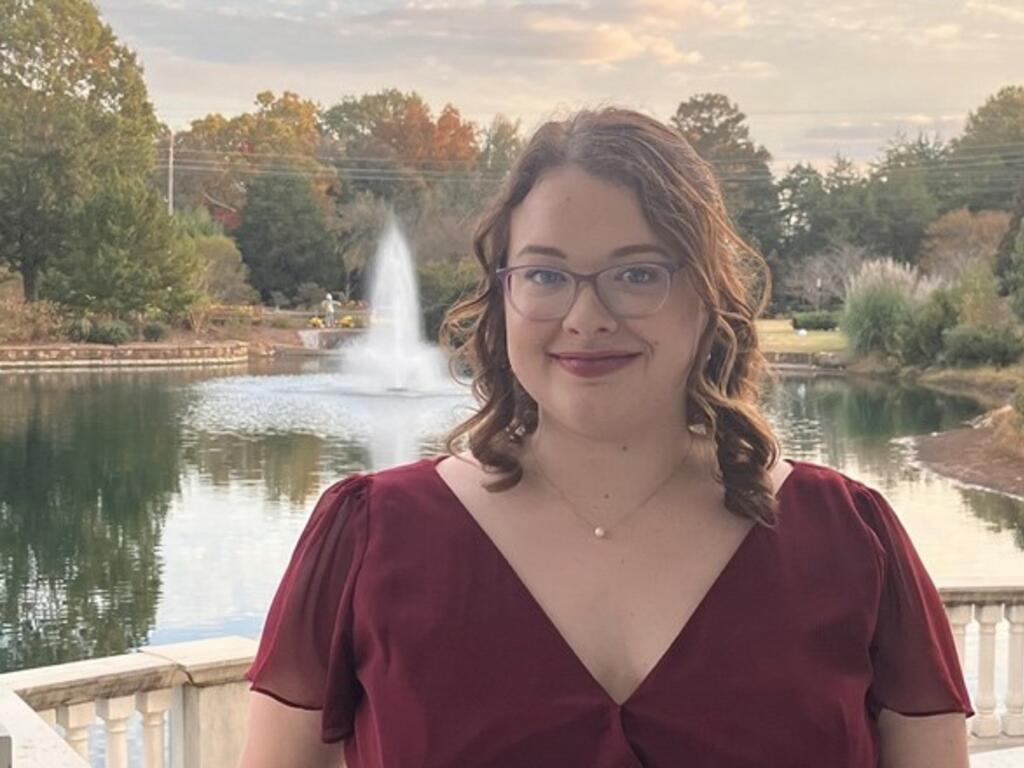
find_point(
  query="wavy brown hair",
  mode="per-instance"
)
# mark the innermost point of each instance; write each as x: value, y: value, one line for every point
x: 682, y: 202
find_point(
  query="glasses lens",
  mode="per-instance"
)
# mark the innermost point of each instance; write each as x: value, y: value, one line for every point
x: 540, y: 293
x: 634, y: 290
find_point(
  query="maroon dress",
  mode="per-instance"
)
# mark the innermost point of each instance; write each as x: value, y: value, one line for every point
x: 401, y: 620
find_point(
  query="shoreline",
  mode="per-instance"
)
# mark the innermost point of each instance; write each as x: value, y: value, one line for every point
x: 77, y: 356
x: 987, y: 453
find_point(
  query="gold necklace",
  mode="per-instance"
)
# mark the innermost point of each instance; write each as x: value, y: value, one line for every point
x: 600, y: 531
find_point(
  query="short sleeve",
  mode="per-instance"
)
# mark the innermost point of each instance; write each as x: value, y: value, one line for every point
x: 916, y: 671
x: 305, y: 656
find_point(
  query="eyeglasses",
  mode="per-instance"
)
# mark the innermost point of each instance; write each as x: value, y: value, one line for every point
x: 627, y: 290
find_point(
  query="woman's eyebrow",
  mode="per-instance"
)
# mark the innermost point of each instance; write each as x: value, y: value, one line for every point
x: 618, y: 253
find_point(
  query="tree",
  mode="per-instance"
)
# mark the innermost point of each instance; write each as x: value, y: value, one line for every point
x: 1005, y: 252
x: 803, y: 200
x: 501, y: 145
x: 73, y: 112
x: 898, y: 211
x: 129, y: 259
x: 358, y: 225
x: 822, y: 279
x: 928, y: 158
x: 393, y: 147
x: 988, y: 158
x: 224, y: 277
x: 717, y: 130
x: 283, y: 236
x: 845, y: 216
x: 218, y: 156
x: 959, y: 238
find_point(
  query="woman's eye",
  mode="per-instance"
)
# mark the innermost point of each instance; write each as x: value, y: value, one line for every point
x: 545, y: 276
x: 638, y: 275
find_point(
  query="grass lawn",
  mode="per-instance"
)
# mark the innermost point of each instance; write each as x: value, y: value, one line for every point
x: 779, y: 336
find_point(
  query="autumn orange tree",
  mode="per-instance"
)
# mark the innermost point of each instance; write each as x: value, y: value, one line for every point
x: 219, y: 157
x: 392, y: 146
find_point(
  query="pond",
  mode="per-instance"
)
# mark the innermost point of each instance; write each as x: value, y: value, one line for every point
x: 156, y: 506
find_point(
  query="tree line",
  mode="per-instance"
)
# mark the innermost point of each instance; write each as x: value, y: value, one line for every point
x: 286, y: 201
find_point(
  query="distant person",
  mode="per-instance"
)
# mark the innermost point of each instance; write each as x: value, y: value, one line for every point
x: 612, y: 565
x: 328, y: 305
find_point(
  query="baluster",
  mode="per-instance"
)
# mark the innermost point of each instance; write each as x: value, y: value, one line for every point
x: 986, y: 723
x: 153, y: 705
x: 115, y: 713
x: 959, y: 618
x: 1013, y: 720
x: 75, y: 719
x: 48, y: 716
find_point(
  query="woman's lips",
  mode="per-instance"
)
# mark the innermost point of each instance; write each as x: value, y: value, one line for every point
x: 591, y: 367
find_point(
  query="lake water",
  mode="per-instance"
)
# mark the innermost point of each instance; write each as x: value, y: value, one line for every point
x: 147, y: 507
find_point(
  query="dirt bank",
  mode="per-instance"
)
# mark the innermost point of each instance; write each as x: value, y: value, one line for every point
x: 988, y: 453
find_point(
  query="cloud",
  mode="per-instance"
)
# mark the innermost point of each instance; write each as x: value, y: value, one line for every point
x: 601, y: 43
x: 734, y: 15
x: 996, y: 9
x: 938, y: 36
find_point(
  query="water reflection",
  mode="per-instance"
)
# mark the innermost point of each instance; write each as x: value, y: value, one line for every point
x: 158, y: 506
x: 88, y: 466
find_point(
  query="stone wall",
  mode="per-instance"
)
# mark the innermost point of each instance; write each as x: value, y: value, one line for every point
x: 101, y: 355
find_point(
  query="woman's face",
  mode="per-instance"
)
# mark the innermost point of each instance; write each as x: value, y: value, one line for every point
x: 576, y: 221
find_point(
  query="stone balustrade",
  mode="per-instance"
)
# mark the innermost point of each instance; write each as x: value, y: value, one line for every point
x: 200, y: 687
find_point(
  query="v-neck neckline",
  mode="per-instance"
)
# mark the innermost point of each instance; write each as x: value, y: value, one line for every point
x: 534, y: 605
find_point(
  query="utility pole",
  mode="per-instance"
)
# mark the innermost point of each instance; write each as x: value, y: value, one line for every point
x: 170, y: 174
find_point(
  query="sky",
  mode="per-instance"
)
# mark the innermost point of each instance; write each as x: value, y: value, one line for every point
x: 814, y: 78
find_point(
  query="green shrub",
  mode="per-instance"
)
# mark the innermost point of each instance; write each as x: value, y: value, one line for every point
x: 922, y: 341
x: 309, y: 295
x: 972, y: 345
x: 874, y: 319
x: 880, y: 300
x: 155, y: 331
x: 815, y: 321
x: 977, y: 294
x: 80, y: 329
x: 110, y: 332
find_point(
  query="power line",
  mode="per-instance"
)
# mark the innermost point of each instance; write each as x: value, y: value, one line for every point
x: 937, y: 175
x: 1009, y: 186
x: 939, y: 164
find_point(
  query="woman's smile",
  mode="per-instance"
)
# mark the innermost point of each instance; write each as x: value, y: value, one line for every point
x: 592, y: 365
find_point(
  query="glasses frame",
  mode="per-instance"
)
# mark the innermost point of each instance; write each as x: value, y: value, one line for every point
x: 504, y: 275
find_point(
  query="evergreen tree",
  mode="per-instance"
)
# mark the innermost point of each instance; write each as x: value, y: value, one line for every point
x: 283, y: 236
x: 718, y: 131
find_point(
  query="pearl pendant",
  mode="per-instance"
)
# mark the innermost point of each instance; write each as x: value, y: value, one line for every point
x: 600, y: 532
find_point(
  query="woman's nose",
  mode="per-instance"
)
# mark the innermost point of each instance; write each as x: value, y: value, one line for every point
x: 588, y: 314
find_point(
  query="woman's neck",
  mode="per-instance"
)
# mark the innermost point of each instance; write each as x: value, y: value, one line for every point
x: 606, y: 475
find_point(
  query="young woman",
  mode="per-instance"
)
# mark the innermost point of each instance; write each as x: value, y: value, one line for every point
x: 616, y: 569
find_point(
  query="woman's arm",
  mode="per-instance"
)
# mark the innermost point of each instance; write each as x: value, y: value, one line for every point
x: 936, y: 741
x: 279, y: 736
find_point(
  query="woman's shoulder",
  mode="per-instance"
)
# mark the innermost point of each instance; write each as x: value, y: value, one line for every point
x: 828, y: 498
x: 813, y: 481
x: 396, y: 490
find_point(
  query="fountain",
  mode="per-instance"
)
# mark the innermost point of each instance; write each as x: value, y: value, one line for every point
x: 388, y: 390
x: 392, y: 356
